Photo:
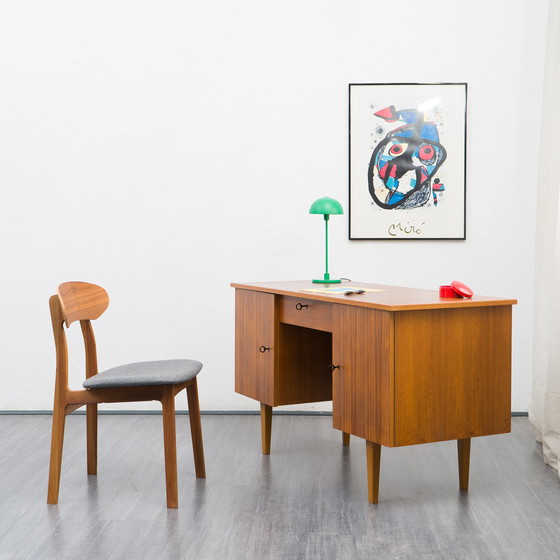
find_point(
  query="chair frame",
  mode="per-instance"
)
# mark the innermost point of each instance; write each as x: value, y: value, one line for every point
x: 86, y: 302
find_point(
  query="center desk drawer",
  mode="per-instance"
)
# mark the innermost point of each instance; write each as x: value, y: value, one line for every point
x: 306, y: 313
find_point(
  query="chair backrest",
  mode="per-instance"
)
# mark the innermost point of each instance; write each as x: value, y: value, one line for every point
x: 81, y: 301
x: 76, y: 301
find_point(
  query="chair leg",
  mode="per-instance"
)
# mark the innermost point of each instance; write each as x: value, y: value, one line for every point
x: 91, y: 430
x: 57, y: 440
x: 170, y: 448
x: 196, y: 430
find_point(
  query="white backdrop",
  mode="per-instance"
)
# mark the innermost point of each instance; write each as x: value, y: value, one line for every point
x: 166, y: 148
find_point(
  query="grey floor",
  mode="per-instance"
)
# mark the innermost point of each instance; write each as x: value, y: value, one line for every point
x: 306, y: 500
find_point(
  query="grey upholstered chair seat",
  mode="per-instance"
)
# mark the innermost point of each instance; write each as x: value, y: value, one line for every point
x: 162, y: 372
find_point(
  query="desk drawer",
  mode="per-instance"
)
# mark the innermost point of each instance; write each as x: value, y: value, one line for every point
x: 306, y: 313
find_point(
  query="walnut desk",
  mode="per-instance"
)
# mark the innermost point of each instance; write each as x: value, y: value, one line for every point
x: 402, y: 366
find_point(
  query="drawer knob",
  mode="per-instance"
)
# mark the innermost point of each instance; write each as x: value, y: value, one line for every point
x: 263, y: 349
x: 300, y: 306
x: 332, y: 367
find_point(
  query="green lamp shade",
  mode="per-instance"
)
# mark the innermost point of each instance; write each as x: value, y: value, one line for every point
x: 326, y: 205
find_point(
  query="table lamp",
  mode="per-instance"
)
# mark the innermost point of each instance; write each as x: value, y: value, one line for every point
x: 326, y: 206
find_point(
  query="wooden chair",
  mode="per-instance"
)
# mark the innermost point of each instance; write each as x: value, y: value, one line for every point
x: 143, y: 381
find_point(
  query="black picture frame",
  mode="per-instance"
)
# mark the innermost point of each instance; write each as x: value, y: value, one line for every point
x: 407, y: 147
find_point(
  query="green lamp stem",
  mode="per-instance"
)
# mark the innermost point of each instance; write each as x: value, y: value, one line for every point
x: 327, y: 277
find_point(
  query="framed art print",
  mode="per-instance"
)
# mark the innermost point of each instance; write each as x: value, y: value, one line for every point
x: 407, y: 161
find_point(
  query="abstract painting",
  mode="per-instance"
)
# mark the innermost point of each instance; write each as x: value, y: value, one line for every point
x: 407, y: 161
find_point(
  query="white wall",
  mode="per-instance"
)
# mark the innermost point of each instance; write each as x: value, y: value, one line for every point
x: 166, y: 148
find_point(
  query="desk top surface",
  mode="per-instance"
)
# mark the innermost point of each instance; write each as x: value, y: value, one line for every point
x: 388, y: 298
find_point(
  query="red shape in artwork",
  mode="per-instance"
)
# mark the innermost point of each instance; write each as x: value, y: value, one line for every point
x: 388, y: 114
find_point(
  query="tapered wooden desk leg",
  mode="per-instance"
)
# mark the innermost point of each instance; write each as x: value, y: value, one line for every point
x: 373, y: 454
x: 266, y: 427
x: 464, y: 455
x: 345, y: 438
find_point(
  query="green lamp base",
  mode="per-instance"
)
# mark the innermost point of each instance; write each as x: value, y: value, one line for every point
x: 329, y: 281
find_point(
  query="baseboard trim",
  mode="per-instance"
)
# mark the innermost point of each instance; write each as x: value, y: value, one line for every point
x: 203, y: 412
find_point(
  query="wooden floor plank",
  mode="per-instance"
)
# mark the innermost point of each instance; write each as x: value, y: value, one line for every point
x: 307, y: 500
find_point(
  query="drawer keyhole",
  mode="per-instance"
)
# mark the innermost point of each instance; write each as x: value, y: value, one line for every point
x: 300, y: 306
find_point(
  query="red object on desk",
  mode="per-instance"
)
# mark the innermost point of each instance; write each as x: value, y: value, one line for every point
x: 462, y: 289
x: 447, y: 292
x: 455, y: 290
